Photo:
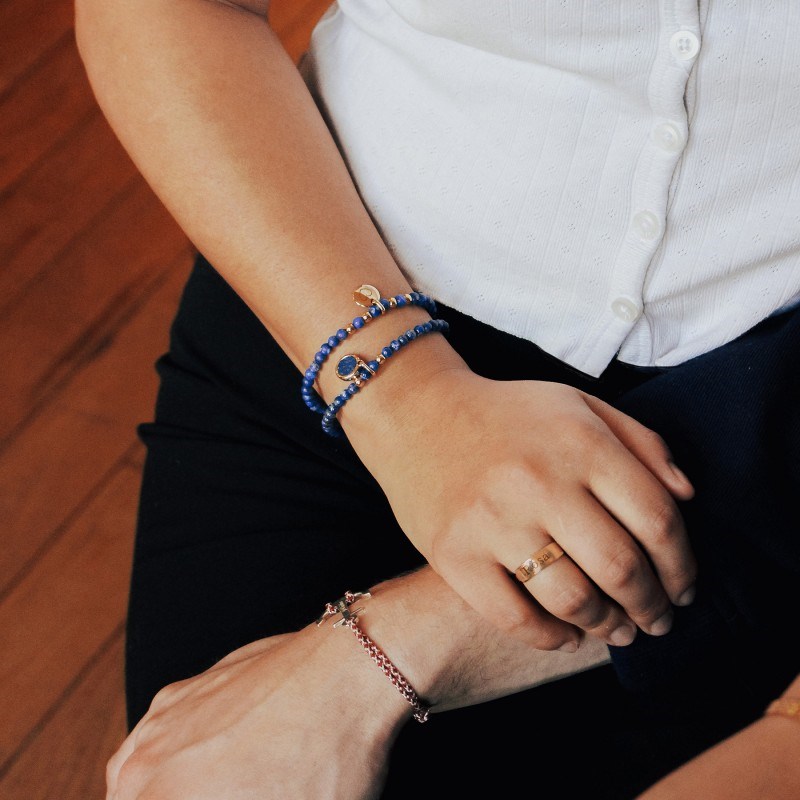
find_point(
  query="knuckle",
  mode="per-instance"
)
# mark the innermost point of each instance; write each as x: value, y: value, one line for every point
x: 623, y: 569
x: 662, y: 525
x: 576, y: 601
x: 655, y: 442
x: 131, y: 774
x: 163, y: 697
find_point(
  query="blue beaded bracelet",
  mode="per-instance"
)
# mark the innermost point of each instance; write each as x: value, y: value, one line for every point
x: 353, y: 368
x: 370, y: 298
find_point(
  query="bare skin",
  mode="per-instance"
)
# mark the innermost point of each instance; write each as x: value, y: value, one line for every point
x: 220, y: 123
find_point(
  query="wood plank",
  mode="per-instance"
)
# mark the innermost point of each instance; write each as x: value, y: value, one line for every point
x: 41, y: 108
x: 36, y: 28
x: 65, y: 194
x: 66, y: 759
x: 73, y: 600
x: 63, y: 454
x: 68, y: 314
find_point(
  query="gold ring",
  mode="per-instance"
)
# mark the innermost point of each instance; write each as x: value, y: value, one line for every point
x: 538, y: 561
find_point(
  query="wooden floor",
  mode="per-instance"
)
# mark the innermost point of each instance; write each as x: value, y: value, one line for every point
x: 91, y: 266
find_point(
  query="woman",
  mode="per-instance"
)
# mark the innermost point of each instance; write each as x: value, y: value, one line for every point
x: 614, y: 275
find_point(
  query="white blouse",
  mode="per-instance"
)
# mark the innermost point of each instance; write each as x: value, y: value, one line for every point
x: 605, y: 178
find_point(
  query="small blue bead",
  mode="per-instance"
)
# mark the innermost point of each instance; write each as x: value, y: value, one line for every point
x: 401, y: 300
x: 320, y: 358
x: 394, y: 344
x: 402, y: 339
x: 387, y: 352
x: 427, y: 327
x: 373, y: 311
x: 373, y: 365
x: 341, y: 334
x: 310, y: 375
x: 419, y: 330
x: 358, y: 322
x: 332, y: 341
x: 385, y: 303
x: 410, y: 334
x: 337, y: 402
x: 325, y: 349
x: 351, y: 390
x: 416, y: 297
x: 363, y: 373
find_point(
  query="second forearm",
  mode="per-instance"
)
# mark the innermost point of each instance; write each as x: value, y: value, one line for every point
x: 450, y: 654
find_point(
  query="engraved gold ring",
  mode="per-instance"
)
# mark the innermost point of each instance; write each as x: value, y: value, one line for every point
x: 538, y: 561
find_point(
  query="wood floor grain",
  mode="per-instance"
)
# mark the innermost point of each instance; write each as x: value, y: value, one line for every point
x: 92, y: 269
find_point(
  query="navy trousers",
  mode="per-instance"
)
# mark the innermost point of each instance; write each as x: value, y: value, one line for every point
x: 244, y: 497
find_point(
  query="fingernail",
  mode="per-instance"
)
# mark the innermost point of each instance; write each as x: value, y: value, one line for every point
x: 569, y: 647
x: 687, y: 598
x: 661, y: 625
x: 679, y: 473
x: 623, y: 635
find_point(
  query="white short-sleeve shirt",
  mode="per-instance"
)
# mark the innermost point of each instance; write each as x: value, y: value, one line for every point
x: 606, y: 179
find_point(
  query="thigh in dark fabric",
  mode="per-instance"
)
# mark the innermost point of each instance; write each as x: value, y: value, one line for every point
x: 250, y: 518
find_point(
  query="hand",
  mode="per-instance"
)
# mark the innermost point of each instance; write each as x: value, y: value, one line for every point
x: 239, y: 729
x: 481, y: 474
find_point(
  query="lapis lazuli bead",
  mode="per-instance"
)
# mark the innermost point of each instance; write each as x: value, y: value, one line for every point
x: 385, y: 303
x: 427, y: 327
x: 346, y: 366
x: 320, y: 357
x: 332, y: 341
x: 310, y: 375
x: 358, y: 322
x: 337, y: 402
x: 409, y: 334
x: 401, y: 300
x: 419, y: 330
x: 325, y: 349
x: 341, y: 334
x: 373, y: 365
x: 374, y: 311
x: 394, y: 344
x: 387, y: 352
x: 403, y: 339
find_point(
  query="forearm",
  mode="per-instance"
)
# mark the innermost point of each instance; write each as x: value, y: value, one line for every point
x: 763, y: 760
x: 449, y: 653
x: 220, y: 123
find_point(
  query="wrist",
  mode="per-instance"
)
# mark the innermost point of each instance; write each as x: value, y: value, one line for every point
x: 399, y: 388
x: 367, y: 693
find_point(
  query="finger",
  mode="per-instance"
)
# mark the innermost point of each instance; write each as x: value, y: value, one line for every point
x: 502, y: 601
x: 646, y: 445
x: 625, y: 487
x: 562, y: 588
x: 616, y: 563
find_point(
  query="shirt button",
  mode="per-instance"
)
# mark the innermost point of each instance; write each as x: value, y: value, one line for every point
x: 668, y: 137
x: 647, y: 225
x: 625, y: 309
x: 684, y: 45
